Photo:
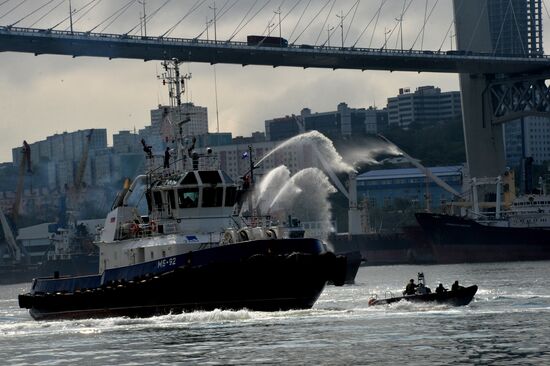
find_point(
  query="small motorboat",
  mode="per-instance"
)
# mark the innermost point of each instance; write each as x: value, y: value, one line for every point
x: 459, y: 296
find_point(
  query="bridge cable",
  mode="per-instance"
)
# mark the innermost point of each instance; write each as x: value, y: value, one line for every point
x: 311, y: 21
x: 74, y: 12
x: 249, y: 20
x: 87, y: 11
x: 193, y: 8
x: 113, y: 15
x: 395, y: 26
x: 61, y: 2
x: 291, y: 10
x: 33, y: 12
x: 400, y: 22
x: 5, y: 1
x: 453, y: 22
x: 375, y: 16
x: 271, y: 20
x: 517, y: 28
x: 543, y: 4
x: 336, y: 28
x: 14, y: 8
x: 243, y: 19
x: 118, y: 16
x: 325, y: 22
x: 483, y: 10
x: 288, y: 13
x: 426, y: 19
x: 423, y: 26
x: 299, y: 20
x: 352, y: 19
x: 149, y: 17
x: 223, y: 11
x: 379, y: 12
x: 495, y: 49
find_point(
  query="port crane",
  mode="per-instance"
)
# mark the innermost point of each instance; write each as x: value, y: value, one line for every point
x: 14, y: 248
x: 24, y: 167
x: 74, y: 193
x: 24, y: 163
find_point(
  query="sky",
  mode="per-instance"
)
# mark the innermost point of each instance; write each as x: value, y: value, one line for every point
x: 46, y: 94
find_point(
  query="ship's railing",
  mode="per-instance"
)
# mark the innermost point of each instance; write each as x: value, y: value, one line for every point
x: 257, y: 221
x: 155, y: 165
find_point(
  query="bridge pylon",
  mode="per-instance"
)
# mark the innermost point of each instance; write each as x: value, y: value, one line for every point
x: 491, y: 99
x: 483, y: 139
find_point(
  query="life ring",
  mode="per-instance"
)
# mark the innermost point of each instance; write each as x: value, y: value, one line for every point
x: 153, y: 226
x: 243, y: 234
x: 271, y: 234
x: 227, y: 238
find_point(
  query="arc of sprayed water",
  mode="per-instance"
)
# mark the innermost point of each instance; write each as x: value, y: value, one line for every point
x: 285, y: 189
x: 323, y: 144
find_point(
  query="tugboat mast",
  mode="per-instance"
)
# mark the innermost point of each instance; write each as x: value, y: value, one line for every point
x: 176, y: 87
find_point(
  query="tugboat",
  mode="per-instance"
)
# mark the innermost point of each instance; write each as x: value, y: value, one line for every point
x: 191, y: 251
x: 457, y: 296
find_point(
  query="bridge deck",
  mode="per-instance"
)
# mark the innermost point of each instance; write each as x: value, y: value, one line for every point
x: 42, y: 41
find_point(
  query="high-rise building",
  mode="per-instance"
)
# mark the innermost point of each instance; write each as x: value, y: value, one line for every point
x: 341, y: 123
x: 194, y: 121
x: 516, y: 29
x: 527, y: 137
x: 427, y: 104
x: 126, y: 142
x: 516, y: 26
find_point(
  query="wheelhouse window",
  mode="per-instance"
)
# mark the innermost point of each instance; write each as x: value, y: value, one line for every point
x: 188, y: 197
x: 189, y: 178
x: 212, y: 197
x: 230, y: 196
x: 210, y: 177
x: 172, y: 199
x: 157, y: 197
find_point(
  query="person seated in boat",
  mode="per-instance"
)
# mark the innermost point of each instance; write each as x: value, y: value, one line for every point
x: 456, y: 286
x: 423, y: 289
x: 410, y: 289
x: 440, y: 289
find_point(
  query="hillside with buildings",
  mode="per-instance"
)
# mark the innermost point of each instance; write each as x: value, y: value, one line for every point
x: 425, y: 122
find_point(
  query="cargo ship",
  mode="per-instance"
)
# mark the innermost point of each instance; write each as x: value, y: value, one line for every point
x: 508, y: 229
x: 408, y: 246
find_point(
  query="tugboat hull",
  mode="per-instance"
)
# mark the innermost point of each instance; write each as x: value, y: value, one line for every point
x: 266, y: 276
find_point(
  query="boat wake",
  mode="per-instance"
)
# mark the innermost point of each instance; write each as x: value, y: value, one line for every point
x: 171, y: 321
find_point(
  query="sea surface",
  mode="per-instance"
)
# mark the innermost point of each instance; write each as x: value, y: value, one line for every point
x: 508, y: 323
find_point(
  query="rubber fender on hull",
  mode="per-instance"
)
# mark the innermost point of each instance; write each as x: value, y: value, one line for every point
x: 336, y: 267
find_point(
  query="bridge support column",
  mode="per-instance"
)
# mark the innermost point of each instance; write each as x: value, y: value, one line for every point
x: 484, y: 140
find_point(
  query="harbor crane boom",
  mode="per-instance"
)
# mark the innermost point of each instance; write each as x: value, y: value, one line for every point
x: 423, y: 169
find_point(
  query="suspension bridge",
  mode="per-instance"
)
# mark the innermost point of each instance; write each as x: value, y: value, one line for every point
x: 499, y: 82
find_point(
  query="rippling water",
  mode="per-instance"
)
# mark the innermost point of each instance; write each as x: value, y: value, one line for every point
x: 507, y: 324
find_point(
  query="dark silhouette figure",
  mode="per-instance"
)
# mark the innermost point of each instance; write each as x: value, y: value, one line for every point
x: 410, y: 289
x: 167, y: 158
x: 440, y: 289
x: 456, y: 286
x: 27, y: 155
x: 147, y: 149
